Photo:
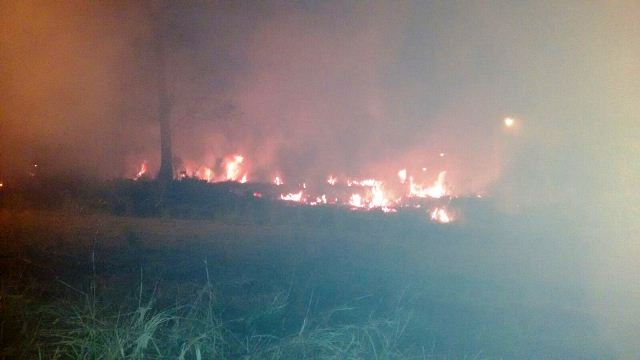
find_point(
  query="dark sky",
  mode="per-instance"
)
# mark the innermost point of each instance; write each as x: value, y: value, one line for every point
x: 350, y: 88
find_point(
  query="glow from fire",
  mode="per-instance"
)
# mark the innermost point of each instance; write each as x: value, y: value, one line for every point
x: 277, y: 181
x: 332, y: 180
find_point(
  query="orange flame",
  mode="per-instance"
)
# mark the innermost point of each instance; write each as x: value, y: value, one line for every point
x: 142, y: 170
x: 441, y: 215
x: 436, y: 191
x: 233, y: 169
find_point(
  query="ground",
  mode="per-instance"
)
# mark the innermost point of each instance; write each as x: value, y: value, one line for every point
x: 80, y: 283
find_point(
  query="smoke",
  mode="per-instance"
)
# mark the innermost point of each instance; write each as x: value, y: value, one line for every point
x: 359, y: 89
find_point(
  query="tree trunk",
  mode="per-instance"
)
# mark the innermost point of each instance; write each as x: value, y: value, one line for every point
x: 165, y: 175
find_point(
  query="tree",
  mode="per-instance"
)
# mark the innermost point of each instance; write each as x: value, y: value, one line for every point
x: 165, y: 175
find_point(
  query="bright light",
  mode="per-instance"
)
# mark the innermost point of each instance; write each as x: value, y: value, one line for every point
x: 402, y: 174
x: 509, y: 122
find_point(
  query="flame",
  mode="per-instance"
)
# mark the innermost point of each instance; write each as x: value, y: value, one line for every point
x: 436, y: 191
x: 402, y: 174
x: 356, y: 201
x: 378, y: 196
x: 233, y: 169
x: 366, y: 194
x: 205, y: 173
x: 319, y: 200
x: 141, y: 171
x: 297, y: 197
x: 441, y: 215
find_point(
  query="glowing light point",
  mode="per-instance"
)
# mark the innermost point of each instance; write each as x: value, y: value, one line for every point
x: 509, y: 122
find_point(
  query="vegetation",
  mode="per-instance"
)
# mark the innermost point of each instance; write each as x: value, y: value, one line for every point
x: 100, y: 276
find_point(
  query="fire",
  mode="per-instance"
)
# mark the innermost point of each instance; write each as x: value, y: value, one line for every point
x: 363, y: 194
x: 365, y: 182
x: 441, y: 215
x: 319, y: 200
x: 142, y: 170
x: 206, y: 174
x: 402, y: 174
x: 374, y: 196
x: 436, y: 191
x: 378, y: 196
x: 356, y: 201
x: 233, y: 168
x: 297, y: 197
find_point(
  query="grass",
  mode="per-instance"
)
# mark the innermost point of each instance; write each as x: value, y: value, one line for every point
x: 88, y: 325
x: 96, y: 286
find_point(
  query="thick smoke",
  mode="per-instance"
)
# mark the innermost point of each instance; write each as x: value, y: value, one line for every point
x: 352, y: 88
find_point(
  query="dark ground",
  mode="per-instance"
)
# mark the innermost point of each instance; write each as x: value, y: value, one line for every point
x: 494, y: 285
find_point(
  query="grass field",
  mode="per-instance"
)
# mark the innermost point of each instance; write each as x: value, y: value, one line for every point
x: 349, y: 286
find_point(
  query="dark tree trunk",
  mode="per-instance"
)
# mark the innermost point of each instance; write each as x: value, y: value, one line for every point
x: 165, y: 175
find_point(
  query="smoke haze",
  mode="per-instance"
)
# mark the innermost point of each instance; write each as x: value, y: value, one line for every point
x: 352, y: 88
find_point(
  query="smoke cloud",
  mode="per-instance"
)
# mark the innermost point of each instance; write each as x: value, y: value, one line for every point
x: 310, y: 88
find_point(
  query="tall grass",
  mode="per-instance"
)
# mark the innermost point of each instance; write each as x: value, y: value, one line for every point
x: 92, y: 324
